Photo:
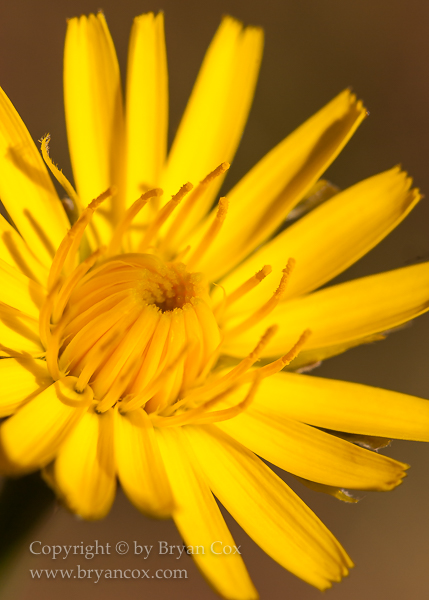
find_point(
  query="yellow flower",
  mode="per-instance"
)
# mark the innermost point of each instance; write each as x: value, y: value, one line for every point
x: 122, y: 361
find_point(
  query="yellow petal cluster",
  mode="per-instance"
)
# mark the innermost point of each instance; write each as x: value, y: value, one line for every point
x: 144, y: 335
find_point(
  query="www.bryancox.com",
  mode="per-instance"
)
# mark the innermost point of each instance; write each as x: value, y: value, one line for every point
x: 97, y: 574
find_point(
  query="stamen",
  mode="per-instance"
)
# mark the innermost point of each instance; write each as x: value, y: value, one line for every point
x: 143, y: 397
x: 247, y: 286
x: 282, y: 362
x: 162, y: 216
x: 78, y: 318
x: 101, y: 351
x: 71, y: 241
x: 188, y: 415
x: 211, y: 234
x: 197, y: 394
x: 155, y: 356
x: 85, y: 341
x: 116, y: 391
x: 85, y: 219
x: 112, y: 380
x: 210, y: 363
x: 188, y: 205
x: 70, y: 283
x: 267, y: 307
x: 241, y: 291
x: 58, y: 174
x: 129, y: 216
x: 45, y: 316
x: 52, y: 352
x: 180, y: 255
x: 233, y: 411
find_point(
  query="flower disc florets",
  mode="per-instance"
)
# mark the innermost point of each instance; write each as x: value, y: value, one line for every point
x: 137, y: 330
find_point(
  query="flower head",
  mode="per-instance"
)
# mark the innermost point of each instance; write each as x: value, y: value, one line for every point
x: 123, y: 360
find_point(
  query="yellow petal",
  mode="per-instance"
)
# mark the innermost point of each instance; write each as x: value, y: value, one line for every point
x: 263, y: 198
x: 84, y: 470
x: 342, y: 313
x: 267, y: 509
x: 18, y: 333
x: 31, y: 437
x: 139, y: 464
x: 26, y: 189
x: 19, y: 291
x: 311, y: 453
x: 215, y: 116
x: 94, y: 114
x: 200, y: 522
x: 345, y: 406
x: 22, y: 379
x: 330, y: 238
x: 14, y: 251
x: 147, y: 105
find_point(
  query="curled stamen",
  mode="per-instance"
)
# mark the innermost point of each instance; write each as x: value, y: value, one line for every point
x: 58, y: 174
x: 268, y: 306
x: 130, y: 214
x: 162, y: 216
x: 211, y: 234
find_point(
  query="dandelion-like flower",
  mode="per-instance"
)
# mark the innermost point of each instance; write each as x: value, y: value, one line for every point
x: 123, y: 361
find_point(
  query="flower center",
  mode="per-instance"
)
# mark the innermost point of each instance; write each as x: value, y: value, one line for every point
x: 137, y: 330
x: 140, y: 330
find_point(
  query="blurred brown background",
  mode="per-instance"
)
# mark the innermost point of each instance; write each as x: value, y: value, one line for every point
x: 314, y: 49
